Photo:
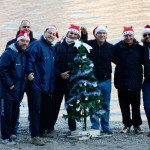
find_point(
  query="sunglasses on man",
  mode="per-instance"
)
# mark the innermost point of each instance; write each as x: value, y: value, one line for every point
x: 145, y: 35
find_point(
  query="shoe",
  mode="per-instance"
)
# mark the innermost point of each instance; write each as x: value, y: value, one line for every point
x: 37, y: 141
x: 125, y: 130
x: 148, y: 135
x: 8, y: 142
x: 13, y: 137
x: 47, y: 135
x: 107, y: 132
x: 138, y: 130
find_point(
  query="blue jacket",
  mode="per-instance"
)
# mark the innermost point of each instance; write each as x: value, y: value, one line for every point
x: 12, y: 72
x: 40, y: 61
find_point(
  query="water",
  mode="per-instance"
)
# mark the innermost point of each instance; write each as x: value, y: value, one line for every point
x: 88, y: 13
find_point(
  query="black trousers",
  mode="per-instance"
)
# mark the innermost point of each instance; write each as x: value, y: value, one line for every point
x: 127, y: 98
x: 61, y: 90
x: 39, y: 110
x: 9, y: 116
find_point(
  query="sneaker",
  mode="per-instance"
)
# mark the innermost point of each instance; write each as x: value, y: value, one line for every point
x: 138, y: 130
x: 47, y: 135
x: 13, y: 137
x: 125, y: 130
x: 8, y: 142
x: 37, y: 141
x: 107, y: 132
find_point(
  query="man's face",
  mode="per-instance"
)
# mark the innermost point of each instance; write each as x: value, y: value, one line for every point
x: 72, y: 35
x: 129, y: 38
x: 26, y: 26
x: 50, y: 35
x: 101, y: 36
x: 146, y: 37
x: 23, y: 44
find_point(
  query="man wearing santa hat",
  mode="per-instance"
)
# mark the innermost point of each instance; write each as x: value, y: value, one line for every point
x: 40, y: 73
x: 102, y: 56
x: 146, y: 84
x: 12, y: 75
x: 65, y: 53
x: 128, y: 79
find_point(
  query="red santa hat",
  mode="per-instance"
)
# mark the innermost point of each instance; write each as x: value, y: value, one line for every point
x: 100, y: 28
x: 128, y: 31
x: 23, y: 35
x: 146, y: 29
x: 54, y: 27
x: 75, y: 29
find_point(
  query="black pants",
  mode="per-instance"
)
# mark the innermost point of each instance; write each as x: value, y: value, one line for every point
x: 61, y: 90
x: 39, y: 110
x: 127, y: 98
x: 9, y: 116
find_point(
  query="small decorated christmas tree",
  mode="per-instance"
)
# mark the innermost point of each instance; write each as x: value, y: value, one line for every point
x: 84, y: 98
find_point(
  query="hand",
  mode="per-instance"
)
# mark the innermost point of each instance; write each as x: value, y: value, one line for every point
x: 11, y: 87
x: 65, y: 75
x: 83, y: 30
x: 31, y: 76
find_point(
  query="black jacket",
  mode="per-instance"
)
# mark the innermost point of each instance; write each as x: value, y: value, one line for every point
x: 32, y: 39
x: 102, y: 57
x: 128, y: 71
x: 12, y: 72
x: 146, y: 62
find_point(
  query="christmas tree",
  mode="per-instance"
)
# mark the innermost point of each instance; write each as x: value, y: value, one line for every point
x: 84, y: 98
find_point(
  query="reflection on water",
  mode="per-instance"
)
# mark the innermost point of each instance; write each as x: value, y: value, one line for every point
x: 88, y: 13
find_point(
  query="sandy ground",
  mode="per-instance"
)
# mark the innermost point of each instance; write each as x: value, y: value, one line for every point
x: 60, y: 141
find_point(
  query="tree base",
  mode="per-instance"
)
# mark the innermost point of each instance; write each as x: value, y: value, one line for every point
x: 86, y: 135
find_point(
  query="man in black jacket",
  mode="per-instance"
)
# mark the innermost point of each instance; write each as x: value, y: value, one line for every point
x: 65, y: 53
x: 26, y: 26
x: 12, y: 75
x: 102, y: 55
x: 128, y: 79
x: 146, y: 84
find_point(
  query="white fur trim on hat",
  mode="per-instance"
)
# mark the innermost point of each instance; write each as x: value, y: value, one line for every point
x: 101, y: 28
x: 75, y: 31
x: 25, y: 37
x: 145, y: 30
x: 128, y: 33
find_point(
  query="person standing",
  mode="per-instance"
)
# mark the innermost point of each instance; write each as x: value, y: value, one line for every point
x: 65, y: 53
x: 12, y: 74
x: 25, y: 25
x: 40, y: 73
x: 128, y: 79
x: 146, y: 83
x: 102, y: 55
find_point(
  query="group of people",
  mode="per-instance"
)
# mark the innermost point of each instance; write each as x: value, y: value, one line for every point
x: 41, y: 69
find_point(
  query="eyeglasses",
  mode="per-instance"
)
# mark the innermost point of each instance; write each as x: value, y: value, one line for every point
x: 26, y: 26
x: 145, y: 35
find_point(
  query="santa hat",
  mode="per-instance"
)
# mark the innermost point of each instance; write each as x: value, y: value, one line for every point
x: 75, y: 29
x: 100, y: 28
x: 23, y: 35
x: 128, y: 30
x: 146, y: 29
x: 54, y: 27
